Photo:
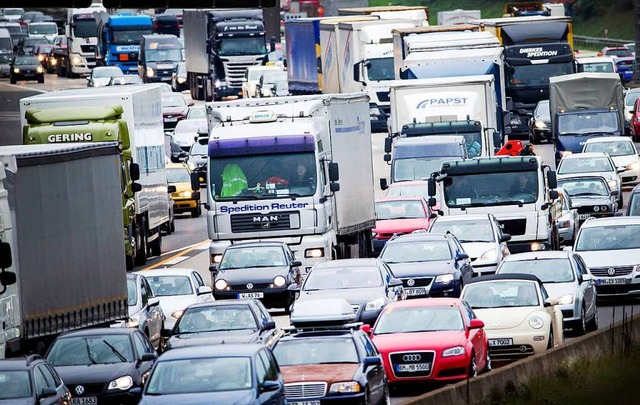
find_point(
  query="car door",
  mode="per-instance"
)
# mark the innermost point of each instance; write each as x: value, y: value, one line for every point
x: 588, y: 287
x: 151, y: 311
x: 375, y: 375
x: 476, y: 336
x: 266, y: 362
x: 143, y: 346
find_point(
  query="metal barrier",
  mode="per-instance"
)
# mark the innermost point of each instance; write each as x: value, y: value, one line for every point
x: 597, y: 43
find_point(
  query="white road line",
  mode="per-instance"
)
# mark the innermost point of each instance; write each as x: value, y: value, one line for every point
x: 175, y: 260
x: 24, y: 87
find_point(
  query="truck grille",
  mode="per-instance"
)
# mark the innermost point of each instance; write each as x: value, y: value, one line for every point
x: 417, y: 282
x: 514, y: 227
x: 619, y: 271
x: 265, y: 222
x: 234, y: 71
x: 510, y: 352
x: 422, y: 359
x: 88, y: 48
x: 305, y: 390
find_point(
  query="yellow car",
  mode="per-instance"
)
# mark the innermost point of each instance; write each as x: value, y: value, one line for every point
x: 184, y: 198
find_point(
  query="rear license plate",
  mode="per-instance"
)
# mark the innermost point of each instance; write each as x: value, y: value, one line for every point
x: 501, y: 342
x: 251, y: 295
x: 411, y: 292
x: 613, y: 280
x: 84, y: 401
x: 304, y: 403
x: 584, y: 216
x: 413, y: 368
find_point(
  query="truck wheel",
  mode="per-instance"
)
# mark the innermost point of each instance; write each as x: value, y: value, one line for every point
x: 196, y: 212
x: 130, y: 260
x: 141, y: 243
x: 156, y: 246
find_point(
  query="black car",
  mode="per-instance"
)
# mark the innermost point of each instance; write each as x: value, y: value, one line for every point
x: 197, y: 160
x: 179, y: 80
x: 31, y: 380
x: 241, y: 321
x: 590, y: 195
x: 27, y: 45
x: 368, y: 285
x: 103, y: 365
x: 26, y: 67
x: 42, y: 52
x: 166, y: 24
x: 429, y: 264
x: 540, y: 123
x: 261, y: 270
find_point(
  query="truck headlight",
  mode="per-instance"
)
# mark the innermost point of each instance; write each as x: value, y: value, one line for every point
x: 216, y: 258
x: 613, y: 183
x: 150, y: 72
x: 489, y: 255
x: 76, y: 60
x: 536, y: 322
x: 374, y: 111
x: 516, y: 120
x: 221, y: 285
x: 53, y: 61
x: 122, y: 383
x: 540, y: 125
x: 565, y: 299
x: 345, y: 387
x: 217, y: 83
x: 453, y: 351
x: 314, y: 253
x: 279, y: 281
x: 375, y: 304
x: 444, y: 278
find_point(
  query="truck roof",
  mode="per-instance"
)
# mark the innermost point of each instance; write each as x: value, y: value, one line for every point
x: 378, y: 9
x: 35, y: 116
x: 29, y: 155
x: 435, y: 28
x: 89, y: 92
x: 536, y: 19
x: 492, y: 165
x: 440, y: 81
x: 126, y: 20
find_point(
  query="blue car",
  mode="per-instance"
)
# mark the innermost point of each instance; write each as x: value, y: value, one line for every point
x: 215, y: 374
x: 428, y: 264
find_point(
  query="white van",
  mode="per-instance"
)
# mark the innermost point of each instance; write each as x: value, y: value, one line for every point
x: 6, y: 46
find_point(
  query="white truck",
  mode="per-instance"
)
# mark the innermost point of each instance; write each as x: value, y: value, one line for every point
x: 273, y: 175
x: 457, y: 16
x: 81, y: 31
x: 143, y: 115
x: 61, y: 250
x: 464, y: 105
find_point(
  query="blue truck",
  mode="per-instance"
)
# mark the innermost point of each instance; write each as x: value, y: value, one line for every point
x: 304, y: 68
x: 119, y: 39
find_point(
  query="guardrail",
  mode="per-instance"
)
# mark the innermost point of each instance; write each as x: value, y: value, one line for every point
x: 597, y: 43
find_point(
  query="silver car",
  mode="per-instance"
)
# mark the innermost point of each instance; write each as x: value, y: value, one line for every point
x: 568, y: 221
x: 566, y: 278
x: 592, y: 163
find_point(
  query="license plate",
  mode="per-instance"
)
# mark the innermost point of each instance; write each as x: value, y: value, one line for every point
x: 413, y: 368
x: 411, y: 292
x: 612, y: 280
x: 251, y: 295
x: 584, y: 216
x: 501, y: 342
x: 304, y: 403
x: 171, y: 119
x: 84, y: 401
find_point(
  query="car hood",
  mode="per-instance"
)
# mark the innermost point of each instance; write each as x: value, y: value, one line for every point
x: 255, y: 275
x: 402, y: 270
x: 557, y: 290
x: 319, y: 372
x: 588, y: 200
x: 174, y: 110
x: 17, y: 401
x: 202, y: 398
x: 504, y: 318
x: 606, y: 175
x: 101, y: 81
x: 400, y: 225
x: 477, y: 249
x: 170, y: 304
x: 608, y: 258
x: 94, y: 373
x: 213, y: 338
x: 418, y: 341
x: 353, y: 295
x: 623, y: 161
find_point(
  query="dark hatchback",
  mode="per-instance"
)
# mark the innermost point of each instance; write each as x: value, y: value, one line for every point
x: 31, y: 380
x: 241, y: 321
x: 261, y: 270
x: 102, y: 365
x: 26, y: 67
x: 221, y: 374
x: 166, y: 24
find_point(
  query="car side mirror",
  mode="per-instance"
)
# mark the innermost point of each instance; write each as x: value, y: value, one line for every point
x: 505, y: 237
x: 383, y: 184
x: 371, y: 361
x: 614, y: 192
x: 153, y: 302
x: 433, y: 215
x: 269, y: 386
x: 476, y: 324
x: 136, y: 187
x: 191, y: 103
x: 587, y: 277
x: 395, y: 282
x: 462, y: 256
x: 171, y: 189
x: 621, y: 169
x: 48, y: 392
x: 553, y: 194
x: 334, y: 186
x: 296, y: 263
x: 195, y: 181
x: 203, y: 290
x: 387, y: 157
x: 432, y: 202
x: 366, y: 328
x: 148, y: 357
x: 567, y: 248
x: 136, y: 391
x: 269, y: 325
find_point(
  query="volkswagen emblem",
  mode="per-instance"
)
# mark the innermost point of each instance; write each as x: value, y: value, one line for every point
x: 79, y: 390
x: 411, y: 282
x: 611, y: 271
x: 495, y: 323
x: 249, y: 286
x: 411, y: 357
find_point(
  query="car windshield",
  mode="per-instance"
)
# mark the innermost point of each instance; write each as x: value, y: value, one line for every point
x: 178, y: 175
x: 103, y: 72
x: 342, y: 278
x: 190, y: 124
x: 25, y: 60
x: 588, y: 123
x: 44, y: 48
x: 547, y: 270
x: 43, y: 29
x: 85, y: 27
x: 585, y: 165
x: 130, y: 37
x: 536, y: 74
x: 612, y: 237
x: 419, y: 319
x: 416, y: 251
x: 12, y: 11
x: 216, y: 319
x: 232, y: 46
x: 584, y: 186
x: 501, y: 294
x: 173, y: 100
x: 624, y: 147
x: 197, y: 113
x: 618, y: 52
x: 35, y: 41
x: 126, y: 79
x: 252, y: 257
x: 380, y: 69
x: 315, y: 351
x: 542, y: 111
x: 198, y: 149
x: 14, y: 384
x: 272, y: 76
x: 5, y: 58
x: 200, y: 375
x: 164, y: 55
x: 399, y: 209
x: 416, y: 168
x: 634, y: 204
x: 407, y: 190
x: 86, y: 350
x: 132, y: 293
x: 597, y: 67
x: 466, y: 230
x: 163, y: 286
x: 491, y: 189
x: 631, y: 97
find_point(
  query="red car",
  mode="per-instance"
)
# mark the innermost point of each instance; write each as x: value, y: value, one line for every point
x: 398, y: 215
x: 430, y: 339
x: 635, y: 121
x: 174, y: 109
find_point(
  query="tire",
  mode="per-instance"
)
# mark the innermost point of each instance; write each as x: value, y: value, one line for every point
x: 551, y: 340
x: 172, y: 226
x: 580, y: 326
x: 155, y: 247
x: 12, y: 80
x: 130, y: 260
x: 196, y: 212
x: 533, y: 138
x: 592, y: 324
x: 141, y: 243
x: 41, y: 79
x: 473, y: 367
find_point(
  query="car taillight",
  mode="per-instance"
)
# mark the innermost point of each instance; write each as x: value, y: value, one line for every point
x: 155, y: 26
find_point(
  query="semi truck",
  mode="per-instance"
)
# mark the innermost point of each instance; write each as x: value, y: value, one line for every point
x: 119, y: 39
x: 582, y: 106
x: 62, y: 256
x: 296, y: 169
x: 81, y: 32
x: 535, y: 48
x: 219, y: 47
x: 114, y: 113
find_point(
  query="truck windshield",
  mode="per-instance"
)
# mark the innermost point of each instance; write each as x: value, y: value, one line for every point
x: 537, y: 75
x: 599, y: 67
x: 588, y: 123
x: 242, y: 46
x: 263, y: 176
x: 163, y: 55
x: 490, y: 189
x: 43, y: 29
x: 380, y: 69
x: 130, y: 37
x: 417, y: 168
x: 85, y: 28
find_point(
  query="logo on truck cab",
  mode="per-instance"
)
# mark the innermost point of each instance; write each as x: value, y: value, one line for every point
x: 538, y: 52
x: 73, y: 137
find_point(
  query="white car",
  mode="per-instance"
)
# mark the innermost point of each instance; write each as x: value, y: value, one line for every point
x: 177, y: 288
x: 101, y: 75
x: 481, y: 237
x: 591, y: 163
x: 186, y: 132
x: 568, y: 221
x: 566, y: 277
x: 622, y: 151
x: 611, y: 249
x: 252, y: 77
x: 520, y: 319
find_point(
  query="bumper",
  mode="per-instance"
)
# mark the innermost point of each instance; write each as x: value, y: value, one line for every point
x: 273, y: 297
x: 631, y: 289
x: 565, y: 234
x: 543, y: 134
x: 182, y: 205
x: 630, y: 177
x: 344, y: 399
x: 523, y: 343
x: 228, y: 92
x: 36, y: 76
x: 447, y: 369
x: 170, y: 122
x: 484, y: 269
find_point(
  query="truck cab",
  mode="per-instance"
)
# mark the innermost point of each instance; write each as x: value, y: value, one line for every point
x: 159, y: 57
x: 119, y: 39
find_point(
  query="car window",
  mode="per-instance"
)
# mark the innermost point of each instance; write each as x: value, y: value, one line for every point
x: 198, y: 278
x: 270, y: 365
x: 467, y: 311
x: 263, y: 312
x: 144, y: 292
x: 51, y: 383
x: 582, y: 267
x: 139, y: 344
x: 40, y: 380
x: 459, y: 247
x: 369, y: 348
x: 261, y: 370
x: 54, y: 374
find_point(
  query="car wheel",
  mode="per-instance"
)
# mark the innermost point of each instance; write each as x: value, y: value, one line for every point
x: 386, y: 398
x: 473, y: 367
x: 12, y: 80
x: 195, y: 213
x: 592, y: 325
x: 141, y: 243
x: 620, y: 201
x: 551, y: 342
x: 580, y: 326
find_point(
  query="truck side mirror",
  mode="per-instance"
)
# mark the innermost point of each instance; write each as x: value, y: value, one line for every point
x: 431, y: 186
x: 497, y: 139
x: 356, y: 71
x: 387, y: 157
x: 388, y: 143
x: 383, y: 184
x: 432, y: 202
x: 334, y: 174
x: 334, y: 186
x: 195, y: 181
x: 552, y: 180
x: 134, y: 171
x: 553, y: 194
x: 5, y: 255
x: 136, y: 187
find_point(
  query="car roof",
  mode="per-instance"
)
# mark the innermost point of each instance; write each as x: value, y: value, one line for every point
x: 420, y: 236
x: 540, y: 255
x: 408, y: 183
x: 426, y: 302
x: 341, y: 263
x: 585, y: 155
x: 222, y: 303
x: 400, y: 198
x: 597, y: 139
x: 221, y: 350
x: 255, y: 244
x: 166, y: 271
x: 97, y: 332
x: 318, y: 333
x: 507, y: 276
x: 625, y: 220
x: 575, y: 176
x: 468, y: 217
x: 20, y: 363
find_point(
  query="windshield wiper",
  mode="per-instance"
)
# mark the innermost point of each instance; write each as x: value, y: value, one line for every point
x: 115, y: 351
x: 91, y: 359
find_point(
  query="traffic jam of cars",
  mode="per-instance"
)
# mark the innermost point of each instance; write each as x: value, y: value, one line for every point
x: 320, y: 286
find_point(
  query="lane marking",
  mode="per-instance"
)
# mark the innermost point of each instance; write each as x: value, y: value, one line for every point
x: 176, y: 260
x: 198, y: 245
x: 174, y: 257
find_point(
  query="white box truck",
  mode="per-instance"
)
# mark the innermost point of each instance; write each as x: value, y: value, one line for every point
x: 273, y: 175
x: 457, y: 16
x: 143, y: 114
x: 62, y: 256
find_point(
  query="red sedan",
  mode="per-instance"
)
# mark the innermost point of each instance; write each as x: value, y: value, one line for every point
x: 398, y: 215
x: 430, y: 339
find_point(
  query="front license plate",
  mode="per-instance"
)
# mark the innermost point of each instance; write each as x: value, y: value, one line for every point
x: 612, y: 280
x: 411, y: 292
x: 501, y: 342
x: 251, y: 295
x: 84, y: 401
x: 304, y: 403
x: 412, y: 368
x: 584, y: 216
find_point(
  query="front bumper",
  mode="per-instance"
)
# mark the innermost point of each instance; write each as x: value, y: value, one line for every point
x: 566, y: 234
x: 630, y: 177
x: 454, y: 368
x: 631, y: 288
x: 484, y: 269
x: 273, y: 297
x: 223, y: 92
x: 342, y: 399
x: 522, y: 345
x: 543, y: 134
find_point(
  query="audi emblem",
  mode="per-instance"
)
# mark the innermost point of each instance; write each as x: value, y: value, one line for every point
x: 79, y: 390
x: 611, y: 271
x: 411, y: 357
x: 249, y: 286
x: 411, y: 282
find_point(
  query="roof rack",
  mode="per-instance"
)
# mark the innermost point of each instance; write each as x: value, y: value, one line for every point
x: 33, y: 357
x: 326, y: 327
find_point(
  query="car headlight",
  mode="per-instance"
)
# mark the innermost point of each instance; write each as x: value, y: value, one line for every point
x: 279, y: 281
x: 453, y: 351
x: 565, y: 299
x: 192, y: 166
x: 76, y: 60
x: 177, y: 314
x: 596, y: 208
x: 41, y: 57
x: 53, y: 60
x: 613, y: 183
x: 375, y: 304
x: 535, y: 246
x: 633, y: 166
x: 221, y: 284
x: 604, y: 208
x: 444, y: 278
x: 181, y: 80
x: 345, y: 387
x: 150, y: 72
x: 489, y: 255
x: 144, y: 377
x: 374, y: 111
x: 217, y: 83
x: 39, y: 69
x: 540, y: 125
x: 122, y: 383
x: 216, y: 258
x: 16, y: 70
x: 314, y: 253
x: 564, y: 224
x: 186, y: 194
x: 536, y: 322
x: 565, y: 153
